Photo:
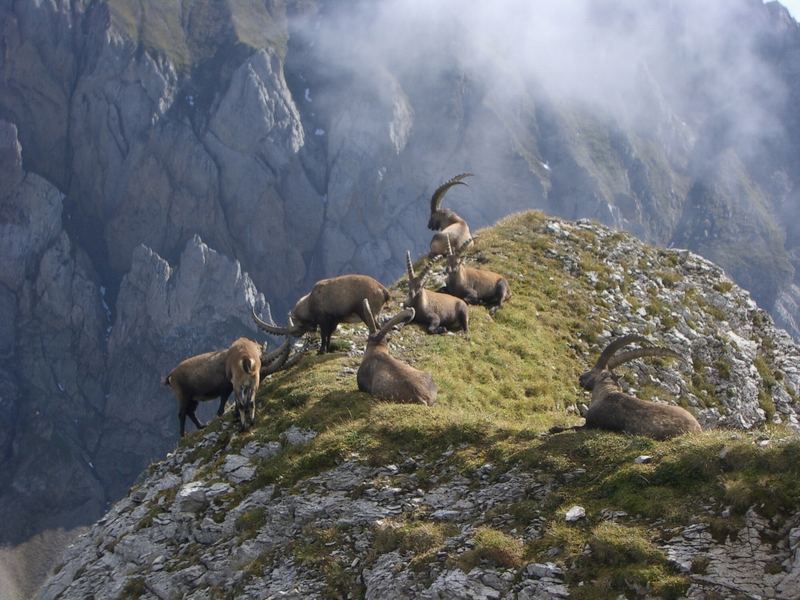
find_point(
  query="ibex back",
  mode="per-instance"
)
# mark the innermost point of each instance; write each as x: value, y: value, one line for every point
x: 330, y: 302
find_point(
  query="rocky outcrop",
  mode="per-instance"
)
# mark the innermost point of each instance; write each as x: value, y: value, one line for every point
x: 744, y: 368
x: 209, y: 539
x: 282, y: 511
x: 51, y: 366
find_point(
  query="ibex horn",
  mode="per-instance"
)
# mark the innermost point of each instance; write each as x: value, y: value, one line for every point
x: 276, y: 364
x: 630, y: 355
x: 425, y: 270
x: 436, y: 199
x: 625, y: 340
x: 401, y: 317
x: 369, y: 320
x: 268, y: 357
x: 409, y: 266
x: 294, y: 330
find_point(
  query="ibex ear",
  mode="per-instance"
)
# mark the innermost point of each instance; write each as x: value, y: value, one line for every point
x: 247, y: 365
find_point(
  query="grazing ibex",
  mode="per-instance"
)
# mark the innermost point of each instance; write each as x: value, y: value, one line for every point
x: 216, y: 374
x: 330, y: 302
x: 446, y: 222
x: 437, y: 312
x: 475, y: 286
x: 237, y: 369
x: 614, y: 410
x: 386, y: 377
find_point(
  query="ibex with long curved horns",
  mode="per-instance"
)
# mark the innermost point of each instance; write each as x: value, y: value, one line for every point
x: 445, y: 221
x: 386, y: 377
x: 437, y: 312
x: 475, y: 286
x: 330, y: 302
x: 238, y: 369
x: 614, y: 410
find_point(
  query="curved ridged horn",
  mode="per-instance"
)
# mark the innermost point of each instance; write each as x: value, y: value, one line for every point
x: 276, y: 364
x: 436, y: 198
x: 401, y: 317
x: 370, y: 320
x: 449, y: 246
x: 463, y: 246
x: 625, y: 340
x: 630, y: 355
x: 425, y: 270
x: 268, y: 357
x: 293, y: 330
x: 296, y: 358
x: 409, y: 266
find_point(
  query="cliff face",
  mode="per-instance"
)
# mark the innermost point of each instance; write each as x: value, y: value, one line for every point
x: 72, y: 436
x: 145, y: 124
x: 336, y: 494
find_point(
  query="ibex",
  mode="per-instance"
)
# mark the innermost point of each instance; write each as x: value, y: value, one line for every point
x: 614, y: 410
x: 237, y: 369
x: 330, y: 302
x: 437, y: 312
x: 386, y: 377
x: 446, y: 222
x: 475, y: 286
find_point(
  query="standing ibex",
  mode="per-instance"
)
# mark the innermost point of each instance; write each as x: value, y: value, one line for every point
x: 446, y: 222
x: 330, y: 302
x: 386, y: 377
x: 614, y: 410
x: 475, y: 286
x: 438, y: 312
x: 237, y: 369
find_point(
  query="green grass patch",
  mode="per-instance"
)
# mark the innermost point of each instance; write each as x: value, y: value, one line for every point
x: 494, y: 547
x: 420, y: 539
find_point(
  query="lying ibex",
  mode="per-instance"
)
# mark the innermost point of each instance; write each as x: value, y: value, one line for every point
x: 614, y: 410
x: 437, y: 312
x: 475, y: 286
x: 330, y: 302
x: 386, y: 377
x: 446, y: 222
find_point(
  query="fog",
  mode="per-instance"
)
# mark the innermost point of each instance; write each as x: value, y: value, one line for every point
x: 702, y: 59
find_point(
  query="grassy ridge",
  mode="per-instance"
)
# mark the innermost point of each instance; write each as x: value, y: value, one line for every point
x: 500, y: 389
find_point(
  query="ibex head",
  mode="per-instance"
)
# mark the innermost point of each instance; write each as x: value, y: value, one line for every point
x: 442, y: 217
x: 377, y: 337
x: 415, y: 283
x: 609, y: 360
x: 245, y: 380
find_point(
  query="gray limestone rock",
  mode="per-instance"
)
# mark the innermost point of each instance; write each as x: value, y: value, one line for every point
x: 294, y: 436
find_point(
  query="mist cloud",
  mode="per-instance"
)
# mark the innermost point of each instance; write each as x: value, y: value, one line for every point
x: 703, y: 58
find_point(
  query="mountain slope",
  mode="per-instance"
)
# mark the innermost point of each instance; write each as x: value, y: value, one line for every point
x: 294, y: 156
x: 335, y: 494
